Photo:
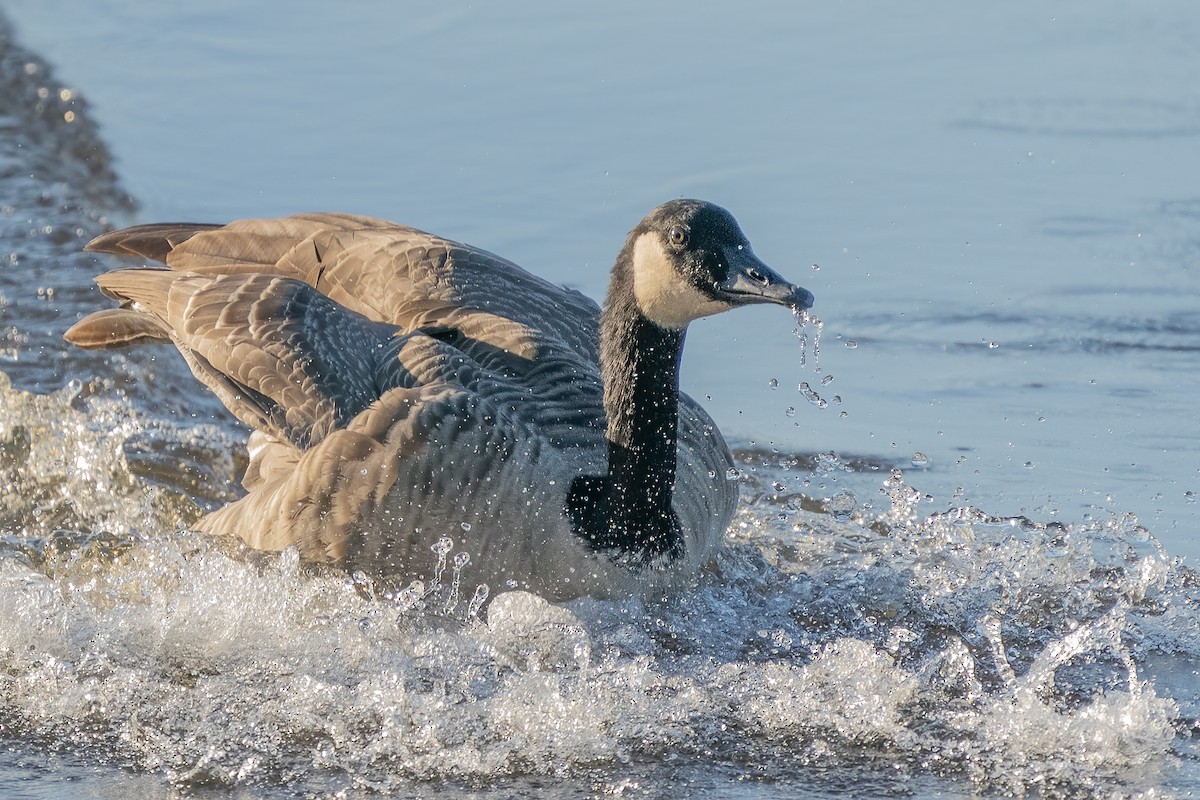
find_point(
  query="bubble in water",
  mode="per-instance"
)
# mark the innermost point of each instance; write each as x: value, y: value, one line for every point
x: 466, y: 526
x: 732, y: 474
x: 920, y: 460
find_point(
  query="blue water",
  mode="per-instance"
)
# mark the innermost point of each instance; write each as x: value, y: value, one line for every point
x: 996, y: 209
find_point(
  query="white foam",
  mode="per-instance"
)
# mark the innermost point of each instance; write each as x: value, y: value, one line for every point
x: 997, y: 651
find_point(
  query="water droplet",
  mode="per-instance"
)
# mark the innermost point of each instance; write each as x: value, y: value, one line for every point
x: 811, y: 396
x: 466, y: 526
x: 791, y: 411
x: 773, y: 383
x: 778, y: 486
x: 844, y: 414
x: 816, y: 267
x: 477, y: 600
x: 732, y: 474
x: 828, y: 379
x: 443, y: 546
x: 842, y: 505
x: 1029, y: 465
x: 851, y: 344
x: 1189, y: 496
x: 993, y: 345
x: 920, y: 460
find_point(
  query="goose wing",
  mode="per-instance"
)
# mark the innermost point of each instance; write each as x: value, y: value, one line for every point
x: 283, y: 358
x: 341, y: 406
x: 384, y: 271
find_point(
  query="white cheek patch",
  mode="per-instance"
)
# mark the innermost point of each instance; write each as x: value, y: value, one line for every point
x: 663, y: 296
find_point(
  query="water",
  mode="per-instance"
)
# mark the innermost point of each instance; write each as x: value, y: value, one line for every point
x: 1002, y: 204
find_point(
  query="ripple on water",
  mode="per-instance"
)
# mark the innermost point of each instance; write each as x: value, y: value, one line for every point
x: 1135, y: 117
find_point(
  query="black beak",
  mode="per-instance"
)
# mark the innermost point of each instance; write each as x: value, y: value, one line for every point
x: 748, y: 280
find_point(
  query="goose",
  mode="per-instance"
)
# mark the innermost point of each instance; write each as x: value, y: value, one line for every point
x: 403, y: 389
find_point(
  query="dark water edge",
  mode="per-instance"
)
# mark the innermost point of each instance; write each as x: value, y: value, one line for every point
x: 58, y: 190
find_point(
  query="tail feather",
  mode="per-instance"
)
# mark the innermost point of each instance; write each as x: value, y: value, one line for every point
x: 148, y: 288
x: 154, y: 242
x: 116, y: 327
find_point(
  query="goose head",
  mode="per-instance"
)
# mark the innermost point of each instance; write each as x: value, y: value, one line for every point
x: 688, y: 259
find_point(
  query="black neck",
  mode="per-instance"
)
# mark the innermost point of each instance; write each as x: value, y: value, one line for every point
x: 629, y: 510
x: 640, y: 363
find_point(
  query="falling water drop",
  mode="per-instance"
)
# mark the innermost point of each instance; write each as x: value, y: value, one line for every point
x: 477, y: 600
x: 842, y: 505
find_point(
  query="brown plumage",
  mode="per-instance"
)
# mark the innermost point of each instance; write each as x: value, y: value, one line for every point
x: 403, y: 387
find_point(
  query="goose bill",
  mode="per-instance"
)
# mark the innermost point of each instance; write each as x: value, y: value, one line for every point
x: 749, y: 280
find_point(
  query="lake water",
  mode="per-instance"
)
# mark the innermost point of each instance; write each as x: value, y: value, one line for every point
x: 998, y: 213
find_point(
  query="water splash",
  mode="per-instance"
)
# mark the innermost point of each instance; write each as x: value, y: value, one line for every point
x: 803, y: 319
x: 979, y: 648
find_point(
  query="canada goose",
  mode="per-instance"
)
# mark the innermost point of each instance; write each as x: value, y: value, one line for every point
x: 402, y: 388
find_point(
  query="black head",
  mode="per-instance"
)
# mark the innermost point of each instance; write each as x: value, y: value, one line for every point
x: 689, y: 259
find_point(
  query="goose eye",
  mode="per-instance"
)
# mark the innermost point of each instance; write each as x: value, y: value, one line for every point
x: 677, y: 235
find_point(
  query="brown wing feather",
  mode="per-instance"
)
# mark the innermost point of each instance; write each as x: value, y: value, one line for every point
x: 116, y: 327
x: 154, y: 242
x: 384, y: 271
x: 281, y: 356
